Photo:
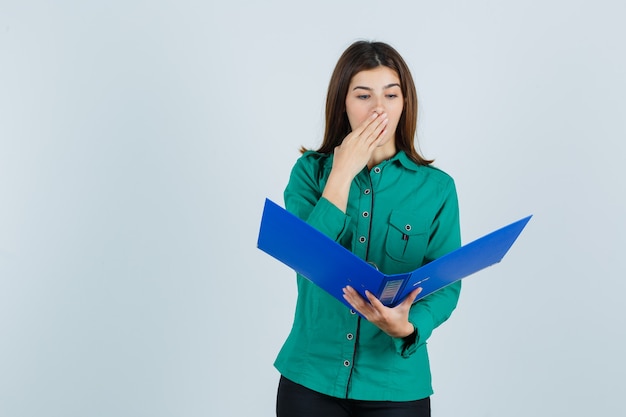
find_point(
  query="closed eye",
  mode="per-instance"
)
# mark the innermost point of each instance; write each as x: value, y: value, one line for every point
x: 363, y: 96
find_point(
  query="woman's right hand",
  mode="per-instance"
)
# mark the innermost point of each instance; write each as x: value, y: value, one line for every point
x: 357, y: 148
x: 352, y: 156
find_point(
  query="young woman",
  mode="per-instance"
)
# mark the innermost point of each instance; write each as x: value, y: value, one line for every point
x: 369, y: 189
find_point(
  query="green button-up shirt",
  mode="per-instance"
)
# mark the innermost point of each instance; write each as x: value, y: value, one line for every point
x: 400, y: 215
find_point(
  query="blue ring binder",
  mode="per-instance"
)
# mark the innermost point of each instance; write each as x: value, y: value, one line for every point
x: 300, y: 246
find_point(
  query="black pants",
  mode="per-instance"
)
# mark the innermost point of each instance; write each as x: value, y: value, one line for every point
x: 294, y: 400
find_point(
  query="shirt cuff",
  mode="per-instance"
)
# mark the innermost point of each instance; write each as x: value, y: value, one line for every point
x: 328, y: 219
x: 406, y: 346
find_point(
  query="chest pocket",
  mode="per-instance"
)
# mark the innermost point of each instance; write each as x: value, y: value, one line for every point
x: 407, y: 236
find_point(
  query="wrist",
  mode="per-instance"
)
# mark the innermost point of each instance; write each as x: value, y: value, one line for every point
x: 336, y: 191
x: 405, y: 331
x: 339, y: 180
x: 410, y: 339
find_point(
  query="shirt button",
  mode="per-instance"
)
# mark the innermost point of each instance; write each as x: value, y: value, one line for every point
x: 367, y: 191
x: 352, y: 311
x: 346, y: 363
x: 407, y: 227
x: 365, y: 214
x: 362, y: 239
x: 349, y: 336
x: 377, y: 170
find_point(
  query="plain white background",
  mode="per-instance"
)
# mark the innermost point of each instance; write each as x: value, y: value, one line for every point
x: 138, y: 140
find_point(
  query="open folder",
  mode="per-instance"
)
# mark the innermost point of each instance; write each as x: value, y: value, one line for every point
x: 332, y: 267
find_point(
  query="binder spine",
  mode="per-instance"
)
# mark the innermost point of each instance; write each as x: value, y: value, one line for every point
x: 392, y: 288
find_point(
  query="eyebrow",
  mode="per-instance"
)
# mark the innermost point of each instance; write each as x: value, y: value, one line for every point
x: 371, y: 89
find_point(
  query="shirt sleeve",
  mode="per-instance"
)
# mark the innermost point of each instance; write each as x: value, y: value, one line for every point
x: 303, y: 197
x: 431, y: 311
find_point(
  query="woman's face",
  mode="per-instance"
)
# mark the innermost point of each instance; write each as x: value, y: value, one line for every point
x: 376, y: 90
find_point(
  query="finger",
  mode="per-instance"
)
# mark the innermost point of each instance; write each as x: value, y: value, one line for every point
x: 374, y: 130
x: 374, y: 143
x: 356, y: 301
x: 371, y: 126
x: 374, y: 301
x: 365, y: 124
x: 352, y: 296
x: 373, y: 120
x: 412, y: 296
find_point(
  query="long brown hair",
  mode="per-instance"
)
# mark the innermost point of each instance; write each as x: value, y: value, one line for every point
x: 362, y: 56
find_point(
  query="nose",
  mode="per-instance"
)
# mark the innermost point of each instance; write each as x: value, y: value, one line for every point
x: 378, y: 106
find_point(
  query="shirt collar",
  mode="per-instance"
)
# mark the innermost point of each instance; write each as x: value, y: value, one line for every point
x: 400, y: 157
x: 405, y: 161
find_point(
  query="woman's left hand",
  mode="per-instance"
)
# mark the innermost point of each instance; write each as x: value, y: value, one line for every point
x: 392, y: 320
